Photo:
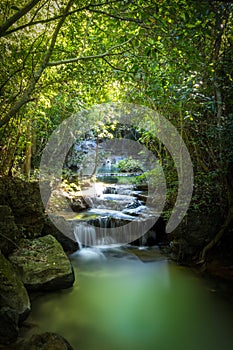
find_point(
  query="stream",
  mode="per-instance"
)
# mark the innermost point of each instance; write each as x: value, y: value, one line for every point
x: 130, y: 297
x: 118, y: 214
x: 134, y: 299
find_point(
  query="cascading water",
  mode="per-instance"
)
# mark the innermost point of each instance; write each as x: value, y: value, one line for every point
x: 85, y: 235
x: 103, y: 224
x: 115, y: 208
x: 88, y: 235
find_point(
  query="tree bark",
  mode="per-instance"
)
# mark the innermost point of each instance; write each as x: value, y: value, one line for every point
x: 17, y: 16
x: 86, y: 58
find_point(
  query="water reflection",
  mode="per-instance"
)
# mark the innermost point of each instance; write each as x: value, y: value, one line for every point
x: 119, y: 302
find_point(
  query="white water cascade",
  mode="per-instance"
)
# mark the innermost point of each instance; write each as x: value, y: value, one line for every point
x: 86, y: 236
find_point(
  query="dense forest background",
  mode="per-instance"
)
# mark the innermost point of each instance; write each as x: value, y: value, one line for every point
x: 175, y: 57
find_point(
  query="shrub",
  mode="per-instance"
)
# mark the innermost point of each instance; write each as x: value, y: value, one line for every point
x: 130, y: 165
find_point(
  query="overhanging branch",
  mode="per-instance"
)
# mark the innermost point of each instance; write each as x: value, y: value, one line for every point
x: 48, y: 20
x: 17, y: 16
x: 121, y: 18
x: 26, y: 96
x: 86, y: 58
x: 113, y: 67
x: 44, y: 21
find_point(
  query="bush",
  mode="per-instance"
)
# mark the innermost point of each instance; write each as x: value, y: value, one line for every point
x: 130, y: 165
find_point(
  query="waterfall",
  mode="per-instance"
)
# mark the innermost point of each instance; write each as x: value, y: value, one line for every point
x: 105, y: 223
x: 120, y: 219
x: 108, y: 163
x: 85, y: 235
x: 107, y: 231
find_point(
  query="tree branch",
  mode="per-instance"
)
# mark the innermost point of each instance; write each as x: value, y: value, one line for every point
x: 17, y: 16
x: 128, y: 19
x: 113, y: 67
x: 27, y: 92
x: 43, y: 21
x: 85, y: 58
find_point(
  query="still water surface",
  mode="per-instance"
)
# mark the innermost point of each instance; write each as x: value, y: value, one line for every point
x: 120, y: 302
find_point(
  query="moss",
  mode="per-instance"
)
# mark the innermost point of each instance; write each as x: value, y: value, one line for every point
x: 12, y: 290
x: 42, y: 263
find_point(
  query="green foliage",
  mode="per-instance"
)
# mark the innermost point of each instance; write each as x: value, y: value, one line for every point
x: 149, y: 177
x: 130, y: 165
x: 157, y: 176
x: 172, y: 56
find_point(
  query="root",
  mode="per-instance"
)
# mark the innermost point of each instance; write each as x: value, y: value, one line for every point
x: 217, y: 237
x: 10, y: 240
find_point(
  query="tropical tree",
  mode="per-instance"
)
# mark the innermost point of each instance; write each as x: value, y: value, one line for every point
x: 59, y: 57
x: 51, y: 47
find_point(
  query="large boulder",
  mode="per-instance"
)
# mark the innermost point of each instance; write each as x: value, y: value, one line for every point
x: 46, y: 341
x: 14, y: 302
x: 8, y: 230
x: 25, y: 202
x: 43, y: 264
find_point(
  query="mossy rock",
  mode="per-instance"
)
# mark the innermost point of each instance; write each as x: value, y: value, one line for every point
x: 43, y: 264
x: 25, y: 202
x: 12, y: 290
x: 14, y: 302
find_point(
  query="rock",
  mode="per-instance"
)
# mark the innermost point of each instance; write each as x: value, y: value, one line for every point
x: 62, y: 200
x: 8, y: 230
x: 43, y: 264
x: 57, y: 201
x: 14, y: 302
x: 135, y: 211
x: 9, y: 329
x: 141, y: 187
x: 25, y: 202
x: 46, y: 341
x: 135, y: 204
x: 12, y: 290
x: 67, y: 240
x: 139, y: 195
x: 150, y: 238
x: 78, y: 204
x: 110, y: 190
